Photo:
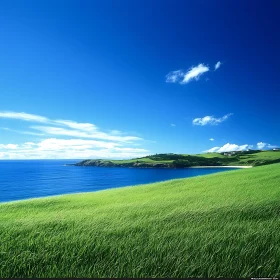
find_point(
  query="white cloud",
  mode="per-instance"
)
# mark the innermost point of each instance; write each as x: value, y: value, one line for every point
x: 212, y: 150
x: 8, y: 146
x: 261, y: 145
x: 194, y: 73
x: 74, y: 140
x: 233, y: 147
x: 184, y: 77
x: 218, y: 65
x: 210, y: 120
x: 229, y: 148
x: 211, y: 139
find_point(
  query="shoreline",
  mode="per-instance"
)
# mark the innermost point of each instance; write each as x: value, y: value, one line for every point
x: 242, y: 166
x: 167, y: 167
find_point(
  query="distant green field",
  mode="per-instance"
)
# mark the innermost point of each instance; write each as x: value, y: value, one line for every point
x: 220, y: 225
x: 142, y: 160
x: 211, y: 155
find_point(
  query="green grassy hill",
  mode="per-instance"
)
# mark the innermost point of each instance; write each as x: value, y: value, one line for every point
x: 242, y: 158
x: 219, y: 225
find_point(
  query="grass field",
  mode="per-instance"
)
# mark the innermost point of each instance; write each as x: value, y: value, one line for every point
x: 220, y: 225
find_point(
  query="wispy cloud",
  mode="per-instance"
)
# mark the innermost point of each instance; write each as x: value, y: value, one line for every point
x: 210, y: 120
x: 68, y: 139
x: 218, y: 65
x: 184, y: 77
x: 173, y: 124
x: 23, y: 116
x: 51, y: 130
x: 211, y: 139
x: 80, y: 126
x: 65, y: 128
x: 22, y: 132
x: 174, y: 76
x: 229, y: 148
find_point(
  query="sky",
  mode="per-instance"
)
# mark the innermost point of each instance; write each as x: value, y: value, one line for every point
x: 125, y: 79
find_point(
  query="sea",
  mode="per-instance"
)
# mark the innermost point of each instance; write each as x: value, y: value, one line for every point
x: 24, y: 179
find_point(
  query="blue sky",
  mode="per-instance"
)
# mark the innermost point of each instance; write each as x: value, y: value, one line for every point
x: 121, y: 79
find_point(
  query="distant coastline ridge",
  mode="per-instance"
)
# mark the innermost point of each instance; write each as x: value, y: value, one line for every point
x: 238, y: 159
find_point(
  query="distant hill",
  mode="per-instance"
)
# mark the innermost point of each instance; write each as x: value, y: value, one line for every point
x: 238, y: 158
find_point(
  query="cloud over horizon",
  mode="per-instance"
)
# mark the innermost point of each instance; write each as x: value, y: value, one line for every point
x: 262, y: 145
x: 72, y: 140
x: 53, y: 148
x: 210, y: 120
x: 229, y: 148
x: 233, y: 147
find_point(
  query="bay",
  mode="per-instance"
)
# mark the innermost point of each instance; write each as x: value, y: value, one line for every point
x: 23, y: 179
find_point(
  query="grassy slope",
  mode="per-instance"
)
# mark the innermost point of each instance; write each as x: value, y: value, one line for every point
x: 261, y: 157
x: 242, y: 159
x: 225, y: 224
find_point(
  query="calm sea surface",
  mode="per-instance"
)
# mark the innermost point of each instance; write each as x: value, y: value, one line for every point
x: 22, y: 179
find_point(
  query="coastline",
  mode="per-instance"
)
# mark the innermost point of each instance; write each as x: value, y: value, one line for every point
x: 247, y: 166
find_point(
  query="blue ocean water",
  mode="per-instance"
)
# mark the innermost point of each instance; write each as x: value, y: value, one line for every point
x: 22, y: 179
